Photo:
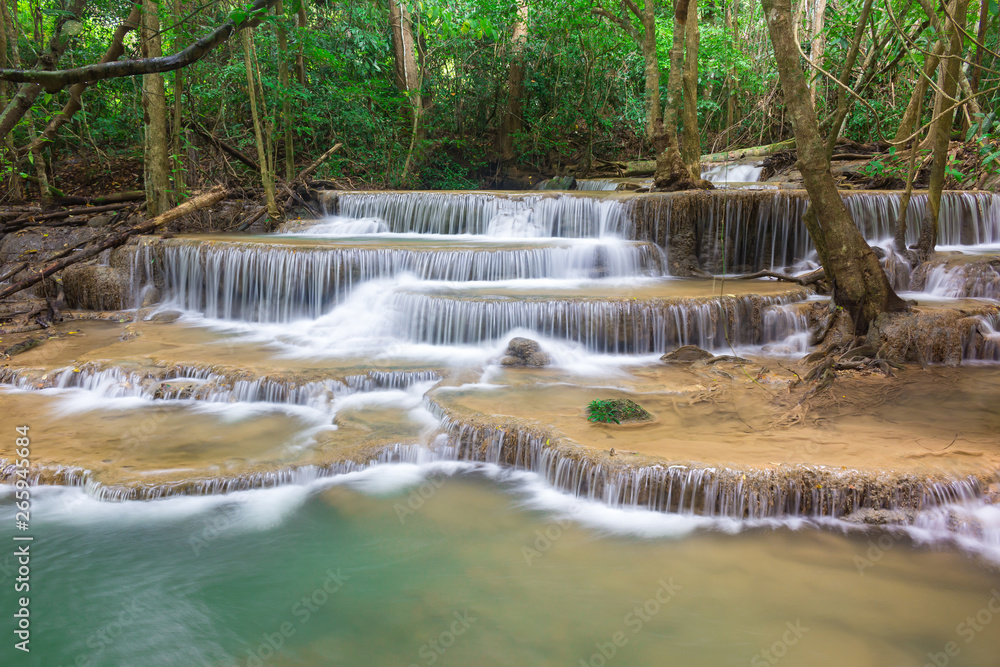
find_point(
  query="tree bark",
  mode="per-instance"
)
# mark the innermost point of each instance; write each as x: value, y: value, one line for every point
x: 940, y: 134
x: 266, y: 171
x: 154, y: 99
x: 511, y: 124
x: 859, y: 283
x: 675, y: 77
x: 845, y: 77
x: 691, y: 145
x: 283, y: 78
x: 300, y: 57
x: 912, y: 113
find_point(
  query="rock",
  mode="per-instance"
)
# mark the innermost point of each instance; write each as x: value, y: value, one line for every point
x: 617, y: 411
x: 99, y: 220
x: 558, y: 183
x: 166, y: 316
x: 686, y: 354
x: 726, y: 359
x: 525, y: 352
x: 96, y: 287
x: 150, y: 297
x: 881, y: 517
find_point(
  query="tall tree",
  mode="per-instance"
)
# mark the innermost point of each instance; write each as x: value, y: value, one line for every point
x: 154, y: 100
x: 511, y: 124
x: 860, y: 285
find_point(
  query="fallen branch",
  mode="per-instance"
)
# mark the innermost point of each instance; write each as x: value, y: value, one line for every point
x: 226, y: 148
x: 190, y: 206
x: 304, y: 174
x: 117, y: 198
x: 805, y: 279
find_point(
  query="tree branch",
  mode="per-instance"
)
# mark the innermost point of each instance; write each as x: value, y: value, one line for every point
x: 55, y: 81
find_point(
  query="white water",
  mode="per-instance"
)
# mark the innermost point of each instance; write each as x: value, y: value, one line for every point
x: 732, y: 172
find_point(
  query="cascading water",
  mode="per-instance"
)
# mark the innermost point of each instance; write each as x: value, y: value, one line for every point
x: 732, y: 172
x: 443, y: 213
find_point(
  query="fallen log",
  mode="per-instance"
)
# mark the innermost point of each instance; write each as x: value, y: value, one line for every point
x: 805, y: 279
x: 209, y: 198
x: 117, y: 198
x: 226, y: 148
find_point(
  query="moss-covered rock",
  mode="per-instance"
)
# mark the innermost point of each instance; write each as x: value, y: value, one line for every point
x: 618, y: 411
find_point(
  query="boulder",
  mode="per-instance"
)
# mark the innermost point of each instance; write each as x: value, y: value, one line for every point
x: 558, y: 183
x: 686, y: 354
x: 525, y: 352
x: 96, y: 287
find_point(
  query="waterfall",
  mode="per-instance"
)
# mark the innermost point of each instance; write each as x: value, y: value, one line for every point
x: 598, y: 185
x: 444, y: 213
x: 605, y: 326
x: 271, y: 282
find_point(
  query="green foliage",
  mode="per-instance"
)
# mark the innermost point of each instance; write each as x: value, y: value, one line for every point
x: 616, y: 410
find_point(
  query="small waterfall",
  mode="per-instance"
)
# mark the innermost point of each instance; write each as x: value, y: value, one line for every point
x: 716, y: 492
x: 268, y: 282
x: 732, y: 172
x: 204, y: 384
x: 984, y: 339
x: 741, y: 231
x: 597, y: 185
x: 977, y: 280
x: 444, y: 213
x: 605, y: 326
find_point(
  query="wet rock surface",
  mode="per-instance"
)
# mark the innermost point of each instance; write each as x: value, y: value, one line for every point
x: 525, y: 352
x: 686, y: 354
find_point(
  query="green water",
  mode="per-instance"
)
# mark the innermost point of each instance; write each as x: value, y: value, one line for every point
x: 402, y: 566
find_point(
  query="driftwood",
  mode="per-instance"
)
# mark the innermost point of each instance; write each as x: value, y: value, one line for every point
x: 190, y: 206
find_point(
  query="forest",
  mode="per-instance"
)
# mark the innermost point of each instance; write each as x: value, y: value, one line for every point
x: 463, y: 95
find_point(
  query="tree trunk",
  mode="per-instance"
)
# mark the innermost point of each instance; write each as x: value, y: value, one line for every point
x: 654, y: 121
x: 157, y: 165
x: 912, y: 113
x: 845, y: 79
x: 675, y: 77
x: 114, y: 52
x: 286, y: 107
x: 176, y: 151
x: 691, y: 146
x: 408, y: 74
x: 940, y: 133
x: 860, y: 285
x: 11, y: 32
x: 977, y: 70
x: 66, y: 27
x: 300, y: 57
x: 266, y: 172
x: 511, y: 124
x: 818, y: 44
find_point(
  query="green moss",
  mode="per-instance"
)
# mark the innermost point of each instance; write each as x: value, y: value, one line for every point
x: 618, y: 411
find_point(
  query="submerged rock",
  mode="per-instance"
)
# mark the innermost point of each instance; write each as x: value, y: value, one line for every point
x: 686, y: 354
x: 525, y: 352
x: 882, y: 517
